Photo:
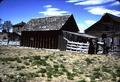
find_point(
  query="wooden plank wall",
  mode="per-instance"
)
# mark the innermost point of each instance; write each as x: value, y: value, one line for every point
x: 40, y: 39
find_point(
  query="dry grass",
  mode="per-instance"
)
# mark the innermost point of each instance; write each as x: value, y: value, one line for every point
x: 40, y: 65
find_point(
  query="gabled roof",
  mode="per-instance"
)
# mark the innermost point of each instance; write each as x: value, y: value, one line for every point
x: 113, y: 17
x: 19, y: 24
x: 104, y: 24
x: 47, y: 23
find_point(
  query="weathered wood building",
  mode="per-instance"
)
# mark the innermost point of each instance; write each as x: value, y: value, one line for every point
x: 110, y: 25
x: 48, y: 32
x: 18, y: 28
x: 9, y: 35
x: 3, y: 35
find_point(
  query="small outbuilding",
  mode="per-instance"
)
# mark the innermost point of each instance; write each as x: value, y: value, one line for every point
x: 48, y: 32
x: 18, y: 28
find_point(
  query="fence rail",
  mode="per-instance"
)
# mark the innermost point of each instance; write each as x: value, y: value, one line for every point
x: 11, y: 43
x: 76, y: 46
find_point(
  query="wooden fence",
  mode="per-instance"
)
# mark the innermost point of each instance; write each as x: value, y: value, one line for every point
x: 76, y: 46
x: 11, y: 43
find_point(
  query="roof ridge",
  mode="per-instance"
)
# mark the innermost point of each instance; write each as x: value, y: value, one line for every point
x: 51, y: 16
x: 114, y: 17
x: 53, y: 22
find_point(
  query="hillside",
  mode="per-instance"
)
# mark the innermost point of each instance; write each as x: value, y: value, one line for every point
x: 40, y: 65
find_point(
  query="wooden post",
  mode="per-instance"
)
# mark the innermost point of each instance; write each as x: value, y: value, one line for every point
x: 34, y: 40
x: 28, y: 39
x: 40, y: 41
x: 55, y: 42
x: 49, y: 42
x: 45, y: 41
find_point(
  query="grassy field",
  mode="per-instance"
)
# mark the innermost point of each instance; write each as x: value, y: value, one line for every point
x: 40, y: 65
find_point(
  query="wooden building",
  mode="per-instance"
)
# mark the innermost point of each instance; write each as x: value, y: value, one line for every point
x: 9, y: 35
x: 110, y: 25
x: 9, y: 38
x: 3, y: 36
x: 13, y: 36
x: 48, y: 32
x: 17, y: 28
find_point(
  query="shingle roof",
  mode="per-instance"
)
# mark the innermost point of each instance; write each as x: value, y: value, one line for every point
x: 47, y: 23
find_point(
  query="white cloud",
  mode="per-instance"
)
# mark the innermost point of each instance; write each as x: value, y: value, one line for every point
x: 115, y: 3
x: 93, y: 2
x: 90, y: 22
x: 48, y: 6
x: 72, y: 1
x: 101, y: 10
x: 51, y: 11
x: 89, y: 2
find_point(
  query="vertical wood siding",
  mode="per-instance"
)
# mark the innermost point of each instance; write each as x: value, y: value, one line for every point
x: 40, y: 39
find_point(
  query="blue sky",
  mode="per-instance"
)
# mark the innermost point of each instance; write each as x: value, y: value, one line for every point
x: 86, y: 12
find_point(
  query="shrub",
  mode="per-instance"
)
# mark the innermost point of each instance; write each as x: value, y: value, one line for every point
x: 49, y: 74
x: 32, y: 75
x: 43, y: 75
x: 36, y: 57
x: 89, y: 61
x: 96, y: 74
x: 38, y: 60
x: 26, y: 63
x: 25, y: 58
x: 81, y: 81
x: 20, y: 79
x: 70, y: 76
x: 40, y: 57
x: 7, y: 59
x: 56, y: 67
x: 20, y: 68
x: 62, y: 66
x: 106, y: 69
x: 28, y: 75
x: 118, y: 71
x: 18, y: 60
x: 49, y: 70
x: 61, y: 55
x: 42, y: 70
x: 22, y: 74
x: 11, y: 66
x: 3, y: 63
